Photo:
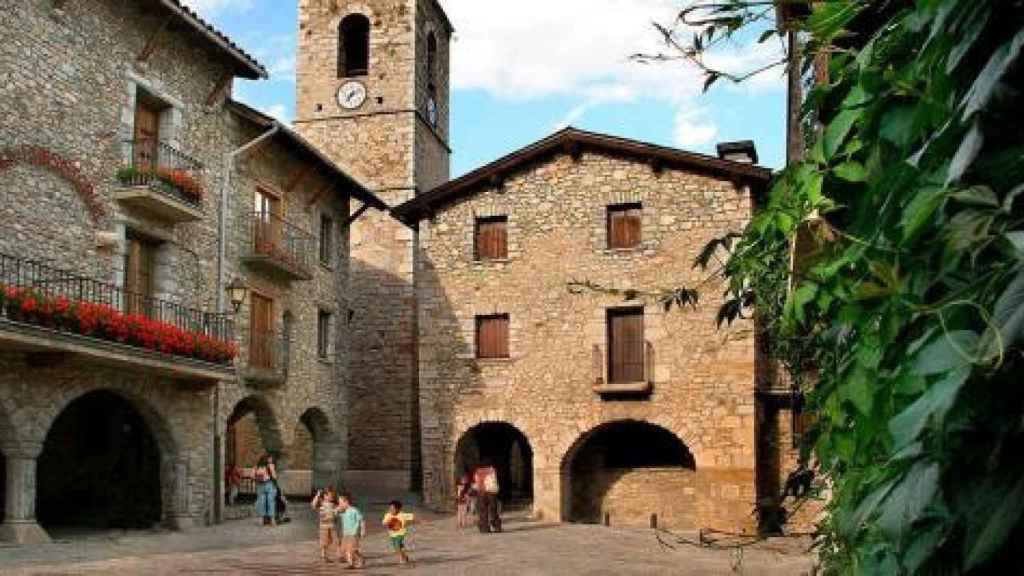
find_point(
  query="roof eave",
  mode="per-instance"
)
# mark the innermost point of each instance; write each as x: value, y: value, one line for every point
x: 247, y: 67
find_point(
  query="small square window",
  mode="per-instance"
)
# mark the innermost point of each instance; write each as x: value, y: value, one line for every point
x: 323, y: 334
x: 491, y: 238
x: 625, y: 222
x: 492, y: 336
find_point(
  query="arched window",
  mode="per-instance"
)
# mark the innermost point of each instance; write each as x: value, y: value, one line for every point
x: 431, y: 60
x: 354, y: 46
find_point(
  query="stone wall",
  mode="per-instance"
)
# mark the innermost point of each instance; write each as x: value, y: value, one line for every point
x: 703, y: 380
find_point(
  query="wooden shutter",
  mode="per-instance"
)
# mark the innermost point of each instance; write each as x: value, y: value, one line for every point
x: 261, y: 322
x: 492, y: 336
x: 147, y: 135
x: 626, y: 346
x: 492, y: 238
x: 624, y: 225
x: 138, y: 276
x: 326, y: 239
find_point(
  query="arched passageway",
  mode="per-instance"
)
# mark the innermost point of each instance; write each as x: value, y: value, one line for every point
x: 508, y: 449
x: 311, y: 455
x: 631, y: 473
x: 100, y: 467
x: 251, y: 431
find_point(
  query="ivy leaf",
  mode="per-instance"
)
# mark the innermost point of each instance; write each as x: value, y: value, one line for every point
x: 977, y: 196
x: 932, y: 406
x: 859, y: 390
x: 908, y: 500
x: 1008, y: 201
x: 969, y: 149
x: 919, y: 211
x: 1007, y: 319
x: 968, y: 228
x: 985, y: 84
x: 851, y: 171
x: 948, y: 352
x: 1016, y: 240
x: 836, y: 132
x: 998, y: 517
x: 867, y: 506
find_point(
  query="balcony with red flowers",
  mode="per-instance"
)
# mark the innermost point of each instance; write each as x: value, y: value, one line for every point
x: 279, y: 248
x: 161, y: 181
x: 56, y: 315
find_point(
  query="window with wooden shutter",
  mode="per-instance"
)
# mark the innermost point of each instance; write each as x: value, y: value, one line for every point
x: 326, y: 240
x: 626, y: 346
x: 492, y: 336
x: 625, y: 222
x: 323, y: 334
x: 147, y: 133
x: 491, y: 238
x: 138, y: 275
x: 261, y: 326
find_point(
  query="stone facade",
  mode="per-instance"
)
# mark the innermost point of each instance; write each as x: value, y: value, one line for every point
x: 390, y: 144
x: 703, y: 377
x: 66, y: 212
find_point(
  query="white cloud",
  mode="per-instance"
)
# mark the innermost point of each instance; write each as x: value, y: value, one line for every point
x: 693, y: 128
x: 278, y: 111
x: 207, y: 7
x: 534, y: 49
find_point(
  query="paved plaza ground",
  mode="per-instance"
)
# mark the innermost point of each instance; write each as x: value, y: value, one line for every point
x: 526, y: 547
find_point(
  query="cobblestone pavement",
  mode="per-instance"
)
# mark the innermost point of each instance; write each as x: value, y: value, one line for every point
x: 525, y: 547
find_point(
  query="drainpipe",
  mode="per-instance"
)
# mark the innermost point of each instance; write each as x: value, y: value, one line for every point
x: 222, y: 240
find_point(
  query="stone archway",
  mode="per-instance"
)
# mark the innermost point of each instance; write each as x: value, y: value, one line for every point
x: 313, y: 454
x: 253, y: 429
x: 630, y: 473
x: 509, y: 450
x: 109, y: 461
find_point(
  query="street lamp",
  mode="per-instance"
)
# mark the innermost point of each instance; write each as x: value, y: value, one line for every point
x: 237, y: 291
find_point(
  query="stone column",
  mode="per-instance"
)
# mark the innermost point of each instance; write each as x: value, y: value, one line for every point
x: 179, y: 513
x: 549, y: 494
x: 20, y: 518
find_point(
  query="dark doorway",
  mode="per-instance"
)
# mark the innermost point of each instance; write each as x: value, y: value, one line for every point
x: 100, y: 467
x: 631, y: 473
x: 504, y: 446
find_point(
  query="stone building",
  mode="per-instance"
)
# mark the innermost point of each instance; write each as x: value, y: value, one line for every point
x: 617, y: 411
x: 134, y: 193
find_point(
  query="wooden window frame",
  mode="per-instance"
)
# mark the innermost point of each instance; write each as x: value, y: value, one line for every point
x: 616, y: 366
x: 626, y: 240
x: 324, y: 320
x: 326, y: 240
x: 499, y: 249
x: 503, y: 351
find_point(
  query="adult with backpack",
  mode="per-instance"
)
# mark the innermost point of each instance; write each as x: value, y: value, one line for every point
x: 486, y: 480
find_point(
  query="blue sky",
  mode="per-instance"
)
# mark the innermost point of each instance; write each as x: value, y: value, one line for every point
x: 521, y: 70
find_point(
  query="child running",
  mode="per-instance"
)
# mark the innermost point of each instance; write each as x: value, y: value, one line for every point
x: 353, y: 529
x: 397, y: 523
x: 326, y: 506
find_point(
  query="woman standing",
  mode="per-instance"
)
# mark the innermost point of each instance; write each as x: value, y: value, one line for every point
x: 462, y: 499
x: 266, y: 490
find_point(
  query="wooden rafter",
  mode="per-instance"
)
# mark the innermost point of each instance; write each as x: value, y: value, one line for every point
x: 220, y: 88
x: 153, y: 41
x: 356, y: 215
x: 324, y: 191
x: 297, y: 178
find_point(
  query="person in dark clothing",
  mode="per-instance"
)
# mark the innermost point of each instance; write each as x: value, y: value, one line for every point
x: 486, y: 480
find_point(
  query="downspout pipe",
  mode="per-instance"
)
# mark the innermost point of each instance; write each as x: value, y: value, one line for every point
x: 222, y: 242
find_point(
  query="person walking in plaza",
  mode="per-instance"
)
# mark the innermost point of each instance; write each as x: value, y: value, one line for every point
x: 325, y: 504
x: 233, y: 480
x: 462, y: 499
x: 353, y: 530
x: 488, y: 515
x: 266, y: 490
x: 397, y: 523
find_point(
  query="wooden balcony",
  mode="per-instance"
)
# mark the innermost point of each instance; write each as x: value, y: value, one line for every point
x: 268, y: 360
x: 279, y: 248
x: 161, y: 182
x: 56, y: 316
x: 606, y: 386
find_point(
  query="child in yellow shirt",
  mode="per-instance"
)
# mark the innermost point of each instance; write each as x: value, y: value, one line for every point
x: 397, y: 523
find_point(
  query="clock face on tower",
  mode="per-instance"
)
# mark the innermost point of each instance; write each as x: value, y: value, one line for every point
x: 351, y: 95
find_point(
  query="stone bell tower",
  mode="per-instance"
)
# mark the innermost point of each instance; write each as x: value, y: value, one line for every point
x: 373, y: 94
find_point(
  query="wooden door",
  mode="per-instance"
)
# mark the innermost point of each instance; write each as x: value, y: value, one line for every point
x: 147, y: 135
x: 138, y: 276
x: 625, y: 346
x: 261, y: 325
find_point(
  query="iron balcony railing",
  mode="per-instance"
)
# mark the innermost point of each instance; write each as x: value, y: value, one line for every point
x: 164, y: 169
x: 276, y: 239
x: 269, y: 355
x: 34, y: 292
